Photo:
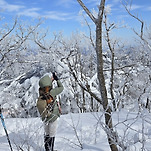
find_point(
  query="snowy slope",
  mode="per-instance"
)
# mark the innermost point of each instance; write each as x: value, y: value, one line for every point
x: 27, y: 133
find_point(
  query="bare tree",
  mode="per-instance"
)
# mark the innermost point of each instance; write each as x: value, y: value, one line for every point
x: 98, y: 23
x: 111, y: 48
x: 14, y: 59
x: 145, y: 55
x: 80, y: 76
x: 12, y: 43
x: 140, y: 34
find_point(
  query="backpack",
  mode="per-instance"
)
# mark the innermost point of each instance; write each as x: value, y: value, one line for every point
x: 46, y: 104
x: 49, y: 109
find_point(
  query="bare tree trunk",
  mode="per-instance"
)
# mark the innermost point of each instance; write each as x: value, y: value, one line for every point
x: 107, y: 109
x: 112, y: 59
x: 102, y: 86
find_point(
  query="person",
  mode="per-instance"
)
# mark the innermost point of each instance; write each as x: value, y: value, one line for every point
x: 49, y: 108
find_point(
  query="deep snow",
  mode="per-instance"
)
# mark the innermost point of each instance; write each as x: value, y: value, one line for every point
x: 27, y: 133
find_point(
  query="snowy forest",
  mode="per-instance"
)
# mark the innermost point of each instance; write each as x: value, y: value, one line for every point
x: 107, y: 84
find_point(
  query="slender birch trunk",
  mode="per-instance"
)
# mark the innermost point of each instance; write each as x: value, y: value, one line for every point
x: 108, y: 118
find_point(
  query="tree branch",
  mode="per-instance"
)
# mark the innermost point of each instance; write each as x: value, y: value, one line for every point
x: 142, y: 26
x: 9, y: 31
x: 87, y: 11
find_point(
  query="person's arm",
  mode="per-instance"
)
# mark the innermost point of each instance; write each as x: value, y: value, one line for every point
x: 57, y: 90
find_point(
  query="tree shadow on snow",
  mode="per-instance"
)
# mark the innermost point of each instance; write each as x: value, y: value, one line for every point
x: 86, y: 146
x: 21, y: 140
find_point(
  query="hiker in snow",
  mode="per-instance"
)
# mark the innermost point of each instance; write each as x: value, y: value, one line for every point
x: 49, y: 108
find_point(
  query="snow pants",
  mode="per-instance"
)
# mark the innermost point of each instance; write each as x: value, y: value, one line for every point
x: 51, y: 128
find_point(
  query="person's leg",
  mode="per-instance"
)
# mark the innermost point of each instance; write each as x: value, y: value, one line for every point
x: 53, y: 128
x: 46, y: 137
x: 52, y: 133
x: 46, y: 142
x: 51, y: 143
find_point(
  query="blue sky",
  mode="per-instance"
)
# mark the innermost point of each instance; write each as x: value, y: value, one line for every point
x: 63, y: 15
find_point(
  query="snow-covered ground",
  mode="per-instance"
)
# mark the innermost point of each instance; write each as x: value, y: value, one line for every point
x: 75, y: 129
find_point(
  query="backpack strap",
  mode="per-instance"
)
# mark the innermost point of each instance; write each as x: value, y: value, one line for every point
x: 45, y: 94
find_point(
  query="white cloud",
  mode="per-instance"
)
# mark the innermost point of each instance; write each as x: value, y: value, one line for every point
x: 149, y: 8
x: 134, y: 7
x: 116, y: 1
x: 65, y: 3
x: 93, y: 2
x: 32, y: 12
x: 36, y: 12
x: 57, y: 15
x: 113, y: 2
x: 19, y: 9
x: 10, y: 7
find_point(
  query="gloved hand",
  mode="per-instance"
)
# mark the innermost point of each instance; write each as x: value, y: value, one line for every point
x: 55, y: 76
